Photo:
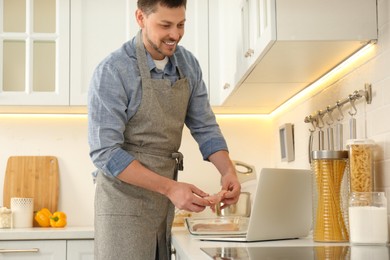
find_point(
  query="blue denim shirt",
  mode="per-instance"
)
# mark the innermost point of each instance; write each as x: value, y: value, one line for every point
x: 115, y: 95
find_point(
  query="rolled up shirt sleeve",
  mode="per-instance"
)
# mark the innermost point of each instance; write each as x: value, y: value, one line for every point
x: 107, y: 118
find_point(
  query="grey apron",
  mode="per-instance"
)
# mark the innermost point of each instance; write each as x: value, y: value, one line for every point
x: 131, y: 222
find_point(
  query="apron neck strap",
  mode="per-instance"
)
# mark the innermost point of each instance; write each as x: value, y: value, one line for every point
x: 141, y: 57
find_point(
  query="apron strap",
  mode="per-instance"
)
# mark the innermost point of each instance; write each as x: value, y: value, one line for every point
x: 179, y: 163
x: 141, y: 57
x: 177, y: 156
x: 181, y: 75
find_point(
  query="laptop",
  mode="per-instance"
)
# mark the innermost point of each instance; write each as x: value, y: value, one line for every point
x: 282, y: 209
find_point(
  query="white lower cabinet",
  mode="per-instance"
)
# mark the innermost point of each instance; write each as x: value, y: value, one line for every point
x: 47, y: 249
x: 79, y: 249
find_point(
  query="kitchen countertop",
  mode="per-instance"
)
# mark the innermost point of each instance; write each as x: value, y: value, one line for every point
x: 38, y: 233
x: 188, y: 247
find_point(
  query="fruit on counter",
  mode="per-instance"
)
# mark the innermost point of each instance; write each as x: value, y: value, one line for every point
x: 42, y: 217
x: 45, y: 218
x: 58, y: 219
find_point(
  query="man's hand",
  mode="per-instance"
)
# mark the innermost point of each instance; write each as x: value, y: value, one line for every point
x: 231, y: 184
x: 229, y: 180
x: 187, y: 197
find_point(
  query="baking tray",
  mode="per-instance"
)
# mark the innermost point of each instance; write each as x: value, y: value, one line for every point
x: 217, y: 226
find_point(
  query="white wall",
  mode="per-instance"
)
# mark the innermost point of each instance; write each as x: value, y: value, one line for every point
x: 63, y: 137
x: 66, y: 138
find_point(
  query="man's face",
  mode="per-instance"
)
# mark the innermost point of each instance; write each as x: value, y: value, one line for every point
x: 162, y: 30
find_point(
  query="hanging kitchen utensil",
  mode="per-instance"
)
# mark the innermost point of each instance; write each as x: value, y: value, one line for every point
x: 311, y: 136
x: 339, y: 128
x: 320, y: 125
x: 329, y: 130
x: 352, y: 120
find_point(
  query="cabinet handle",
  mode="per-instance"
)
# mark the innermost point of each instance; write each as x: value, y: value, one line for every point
x: 226, y: 86
x: 32, y: 250
x: 249, y: 53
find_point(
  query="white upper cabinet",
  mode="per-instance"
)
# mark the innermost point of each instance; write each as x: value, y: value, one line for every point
x: 51, y: 47
x: 34, y: 52
x: 226, y: 47
x: 98, y: 27
x: 292, y: 43
x: 196, y: 38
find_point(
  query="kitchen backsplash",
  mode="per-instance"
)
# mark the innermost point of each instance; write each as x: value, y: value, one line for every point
x: 66, y: 138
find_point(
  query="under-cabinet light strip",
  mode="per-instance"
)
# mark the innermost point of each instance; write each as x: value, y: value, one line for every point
x: 222, y: 116
x: 252, y: 116
x: 300, y: 96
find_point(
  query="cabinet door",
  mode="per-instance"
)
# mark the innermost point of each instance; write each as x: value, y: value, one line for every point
x: 80, y: 250
x: 244, y: 47
x: 34, y: 52
x: 263, y: 30
x: 33, y: 250
x: 98, y: 27
x: 241, y: 32
x: 196, y: 38
x: 226, y: 49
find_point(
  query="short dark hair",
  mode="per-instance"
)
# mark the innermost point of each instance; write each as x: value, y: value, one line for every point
x: 150, y: 6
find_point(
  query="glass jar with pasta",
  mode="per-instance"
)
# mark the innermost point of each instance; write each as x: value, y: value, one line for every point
x: 330, y: 196
x: 361, y: 164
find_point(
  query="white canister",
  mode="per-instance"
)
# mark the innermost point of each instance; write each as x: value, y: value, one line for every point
x: 368, y: 218
x: 22, y: 212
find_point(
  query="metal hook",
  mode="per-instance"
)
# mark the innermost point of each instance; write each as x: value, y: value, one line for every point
x: 313, y: 122
x: 341, y: 116
x: 320, y: 123
x: 329, y: 112
x: 352, y: 101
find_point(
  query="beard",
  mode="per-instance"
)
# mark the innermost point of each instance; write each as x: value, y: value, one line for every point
x: 159, y: 49
x: 155, y: 47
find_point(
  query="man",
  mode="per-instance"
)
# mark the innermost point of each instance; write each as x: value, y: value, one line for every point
x: 139, y: 100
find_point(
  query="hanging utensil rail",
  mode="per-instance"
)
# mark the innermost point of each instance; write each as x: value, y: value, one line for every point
x: 357, y: 94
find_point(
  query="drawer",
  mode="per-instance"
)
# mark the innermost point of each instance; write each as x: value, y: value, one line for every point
x: 33, y: 249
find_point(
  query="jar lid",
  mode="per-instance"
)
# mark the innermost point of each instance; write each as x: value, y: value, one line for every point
x: 359, y: 142
x: 329, y: 154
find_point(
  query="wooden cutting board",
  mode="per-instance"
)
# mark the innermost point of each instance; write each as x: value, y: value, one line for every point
x: 32, y: 177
